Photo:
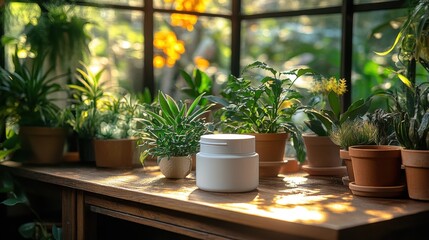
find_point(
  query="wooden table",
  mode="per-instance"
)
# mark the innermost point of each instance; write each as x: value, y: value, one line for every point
x: 294, y: 205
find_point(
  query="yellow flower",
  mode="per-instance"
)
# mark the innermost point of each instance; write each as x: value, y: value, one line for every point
x: 201, y: 62
x: 285, y: 104
x: 332, y: 84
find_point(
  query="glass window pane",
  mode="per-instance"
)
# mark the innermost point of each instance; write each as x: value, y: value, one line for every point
x: 373, y: 32
x: 262, y: 6
x: 117, y: 45
x: 211, y: 6
x: 287, y: 43
x: 18, y: 15
x: 205, y: 44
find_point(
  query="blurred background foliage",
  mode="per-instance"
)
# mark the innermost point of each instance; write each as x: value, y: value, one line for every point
x: 183, y: 41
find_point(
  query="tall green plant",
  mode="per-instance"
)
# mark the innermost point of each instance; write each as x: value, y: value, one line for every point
x: 31, y: 92
x: 89, y: 94
x: 412, y: 128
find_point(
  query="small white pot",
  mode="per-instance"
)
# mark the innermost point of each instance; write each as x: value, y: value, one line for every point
x: 227, y: 163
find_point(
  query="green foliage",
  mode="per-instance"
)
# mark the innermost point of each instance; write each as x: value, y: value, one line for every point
x: 197, y: 84
x: 59, y: 32
x: 173, y: 129
x: 262, y: 105
x: 118, y: 121
x: 322, y: 121
x: 9, y: 145
x: 89, y: 95
x: 412, y: 36
x: 14, y: 196
x: 412, y: 125
x: 29, y: 93
x: 354, y: 132
x: 384, y: 123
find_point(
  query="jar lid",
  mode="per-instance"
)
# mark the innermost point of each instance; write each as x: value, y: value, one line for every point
x: 227, y: 144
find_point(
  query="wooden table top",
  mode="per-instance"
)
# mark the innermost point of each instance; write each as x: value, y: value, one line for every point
x: 294, y: 203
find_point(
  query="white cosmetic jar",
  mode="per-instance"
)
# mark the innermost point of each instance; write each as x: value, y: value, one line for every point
x: 227, y: 163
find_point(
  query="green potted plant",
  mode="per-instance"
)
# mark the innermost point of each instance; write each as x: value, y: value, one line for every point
x: 172, y: 133
x: 88, y: 96
x: 32, y: 104
x: 412, y: 128
x: 350, y: 133
x: 263, y: 104
x: 115, y: 144
x: 325, y: 114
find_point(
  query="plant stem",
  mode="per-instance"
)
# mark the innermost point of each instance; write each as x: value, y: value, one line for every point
x: 411, y: 75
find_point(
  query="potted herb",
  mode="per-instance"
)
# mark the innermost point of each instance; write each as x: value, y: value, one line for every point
x: 89, y: 96
x: 32, y: 103
x: 324, y: 114
x: 172, y: 133
x: 263, y: 104
x: 115, y: 144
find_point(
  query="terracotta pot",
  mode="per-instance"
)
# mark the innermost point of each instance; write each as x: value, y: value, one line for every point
x: 321, y: 151
x: 271, y: 148
x: 416, y: 163
x: 175, y: 167
x: 345, y: 156
x: 45, y: 145
x: 376, y: 165
x: 116, y: 153
x: 86, y: 150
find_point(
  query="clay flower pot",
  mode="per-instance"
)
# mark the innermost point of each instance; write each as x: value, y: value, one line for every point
x: 45, y: 144
x: 416, y: 163
x: 321, y: 151
x: 345, y: 156
x: 116, y: 153
x: 175, y: 167
x: 271, y: 149
x: 376, y: 165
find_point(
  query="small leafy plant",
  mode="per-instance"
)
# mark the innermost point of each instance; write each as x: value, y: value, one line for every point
x: 262, y: 103
x: 90, y: 96
x: 354, y: 132
x: 173, y: 129
x: 118, y: 121
x: 324, y: 110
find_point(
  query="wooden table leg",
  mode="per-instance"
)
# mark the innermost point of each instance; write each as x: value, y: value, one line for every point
x: 80, y: 215
x: 69, y: 214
